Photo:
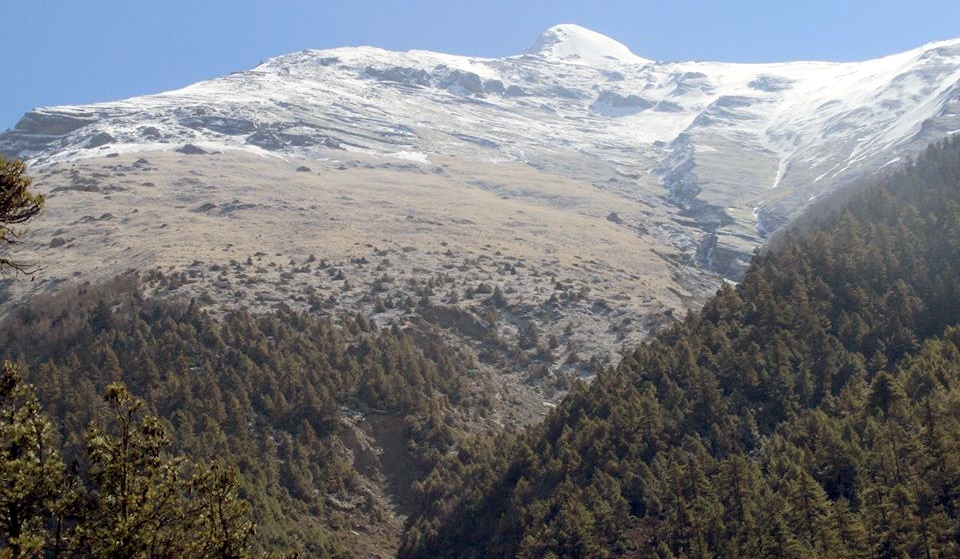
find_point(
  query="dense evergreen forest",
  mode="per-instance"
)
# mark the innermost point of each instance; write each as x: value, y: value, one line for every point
x: 274, y: 395
x: 811, y: 411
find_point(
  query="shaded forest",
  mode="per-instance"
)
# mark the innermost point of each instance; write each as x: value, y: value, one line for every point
x: 278, y: 396
x: 813, y: 410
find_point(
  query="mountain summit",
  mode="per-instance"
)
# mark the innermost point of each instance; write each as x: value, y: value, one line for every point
x: 575, y: 43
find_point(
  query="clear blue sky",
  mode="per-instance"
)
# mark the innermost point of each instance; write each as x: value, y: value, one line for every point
x: 81, y: 51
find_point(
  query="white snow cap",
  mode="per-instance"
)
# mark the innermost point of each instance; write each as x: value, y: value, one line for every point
x: 574, y: 43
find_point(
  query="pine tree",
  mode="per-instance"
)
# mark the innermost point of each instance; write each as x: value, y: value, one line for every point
x: 146, y: 504
x: 137, y: 508
x: 30, y: 467
x: 17, y: 205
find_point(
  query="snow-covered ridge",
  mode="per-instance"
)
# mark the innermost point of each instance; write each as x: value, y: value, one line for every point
x: 739, y: 147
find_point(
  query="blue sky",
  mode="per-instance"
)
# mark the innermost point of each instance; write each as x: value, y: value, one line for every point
x: 82, y: 51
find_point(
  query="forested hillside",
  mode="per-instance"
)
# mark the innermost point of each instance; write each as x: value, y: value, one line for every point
x: 811, y: 411
x: 303, y: 407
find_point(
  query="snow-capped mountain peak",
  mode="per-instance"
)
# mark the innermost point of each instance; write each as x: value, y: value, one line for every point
x: 737, y: 148
x: 575, y: 43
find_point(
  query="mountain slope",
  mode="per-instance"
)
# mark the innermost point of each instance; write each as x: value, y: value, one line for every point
x: 596, y: 193
x: 810, y: 411
x: 740, y: 147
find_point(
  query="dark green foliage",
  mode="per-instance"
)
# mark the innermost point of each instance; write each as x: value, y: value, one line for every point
x: 132, y: 499
x: 146, y: 504
x: 17, y: 205
x: 30, y: 467
x: 265, y: 393
x: 812, y: 411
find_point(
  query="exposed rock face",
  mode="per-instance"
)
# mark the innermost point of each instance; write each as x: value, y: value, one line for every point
x: 612, y: 103
x: 218, y: 124
x: 54, y: 123
x: 771, y: 83
x: 276, y: 139
x: 100, y: 139
x: 400, y: 75
x: 464, y: 83
x: 40, y: 129
x: 190, y: 149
